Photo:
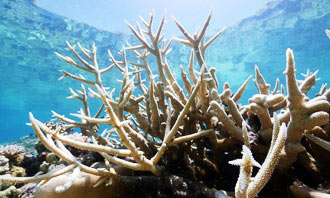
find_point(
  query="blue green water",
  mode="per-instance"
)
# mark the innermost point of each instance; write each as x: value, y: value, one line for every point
x: 29, y: 68
x: 110, y: 14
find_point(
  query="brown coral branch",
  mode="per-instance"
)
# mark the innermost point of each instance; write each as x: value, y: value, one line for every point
x: 177, y: 124
x: 227, y: 123
x: 141, y: 159
x: 270, y: 162
x: 324, y: 144
x: 38, y: 178
x: 302, y: 115
x: 260, y: 82
x: 191, y: 137
x: 238, y: 94
x: 49, y: 144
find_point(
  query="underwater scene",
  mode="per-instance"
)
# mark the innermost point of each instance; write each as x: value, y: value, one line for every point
x: 212, y: 99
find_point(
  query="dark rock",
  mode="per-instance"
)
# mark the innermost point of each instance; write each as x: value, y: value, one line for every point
x: 90, y: 158
x: 31, y: 164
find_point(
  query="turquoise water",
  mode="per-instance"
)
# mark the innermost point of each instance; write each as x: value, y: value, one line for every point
x: 29, y: 68
x: 110, y: 14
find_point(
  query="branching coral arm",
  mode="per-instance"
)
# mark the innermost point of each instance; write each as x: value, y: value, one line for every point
x: 190, y: 137
x: 277, y: 84
x: 140, y: 37
x: 72, y: 62
x: 197, y: 46
x: 37, y: 125
x: 235, y: 112
x: 303, y: 115
x: 191, y: 67
x: 324, y: 144
x: 38, y: 178
x: 227, y: 123
x: 68, y: 120
x: 91, y: 147
x: 115, y: 62
x: 241, y: 90
x: 124, y: 163
x: 185, y: 80
x: 159, y: 30
x: 246, y: 164
x: 175, y: 101
x: 177, y: 124
x: 85, y: 52
x: 315, y: 106
x: 174, y: 83
x: 269, y: 164
x: 208, y: 43
x: 295, y: 97
x: 260, y: 82
x: 183, y: 30
x: 203, y: 31
x: 72, y: 48
x: 91, y: 119
x: 141, y: 159
x: 154, y: 115
x: 156, y: 51
x: 91, y: 68
x: 308, y: 83
x: 276, y: 130
x: 245, y: 135
x: 77, y: 78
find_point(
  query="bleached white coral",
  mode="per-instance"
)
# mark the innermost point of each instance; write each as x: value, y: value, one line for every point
x: 246, y: 164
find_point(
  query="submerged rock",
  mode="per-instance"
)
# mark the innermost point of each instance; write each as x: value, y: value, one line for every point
x: 82, y: 187
x: 4, y: 164
x: 11, y: 192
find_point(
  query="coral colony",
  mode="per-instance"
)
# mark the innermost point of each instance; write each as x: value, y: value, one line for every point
x: 194, y: 127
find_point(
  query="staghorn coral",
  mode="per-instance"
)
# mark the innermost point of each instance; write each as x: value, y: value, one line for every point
x: 184, y: 133
x: 246, y: 164
x: 250, y: 187
x: 305, y: 114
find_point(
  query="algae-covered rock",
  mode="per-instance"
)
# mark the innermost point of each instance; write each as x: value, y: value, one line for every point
x: 4, y: 164
x: 44, y: 167
x: 11, y: 192
x: 5, y: 184
x: 51, y: 158
x: 17, y: 171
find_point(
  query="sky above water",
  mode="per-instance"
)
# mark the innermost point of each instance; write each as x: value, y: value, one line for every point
x: 110, y: 14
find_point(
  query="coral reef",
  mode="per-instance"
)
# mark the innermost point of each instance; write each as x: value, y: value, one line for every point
x: 178, y: 137
x: 29, y: 41
x: 14, y: 153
